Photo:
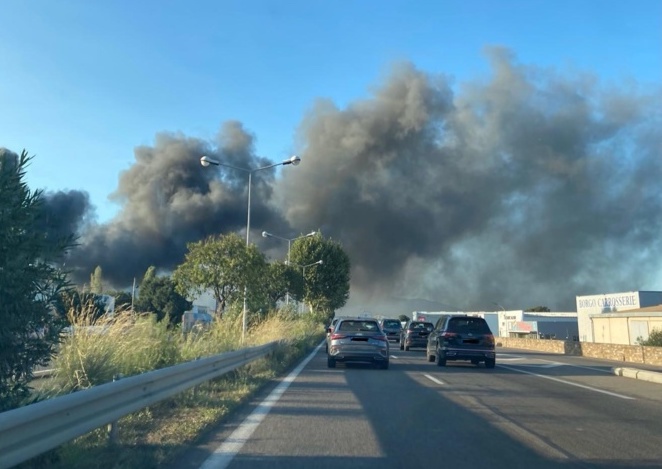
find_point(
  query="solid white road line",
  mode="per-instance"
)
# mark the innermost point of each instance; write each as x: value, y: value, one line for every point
x: 432, y: 378
x: 609, y: 372
x: 570, y: 383
x: 224, y: 454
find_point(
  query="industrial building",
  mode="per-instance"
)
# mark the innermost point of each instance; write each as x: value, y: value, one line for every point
x: 519, y: 323
x: 628, y: 328
x: 592, y: 308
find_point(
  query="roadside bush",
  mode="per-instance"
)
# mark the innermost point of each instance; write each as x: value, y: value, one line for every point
x: 94, y: 350
x: 154, y: 436
x: 654, y: 339
x: 222, y: 335
x: 30, y: 281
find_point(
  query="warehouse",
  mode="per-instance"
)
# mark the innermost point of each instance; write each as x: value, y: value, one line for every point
x: 588, y: 307
x: 628, y: 328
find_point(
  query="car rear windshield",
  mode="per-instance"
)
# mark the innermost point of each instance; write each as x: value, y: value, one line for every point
x: 358, y: 326
x: 463, y: 325
x: 421, y: 326
x: 392, y: 323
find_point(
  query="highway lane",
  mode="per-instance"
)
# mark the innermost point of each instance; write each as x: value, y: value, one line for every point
x: 532, y: 410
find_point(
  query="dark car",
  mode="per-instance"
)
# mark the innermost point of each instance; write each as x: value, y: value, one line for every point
x: 391, y: 328
x: 358, y: 340
x: 415, y: 334
x: 461, y: 338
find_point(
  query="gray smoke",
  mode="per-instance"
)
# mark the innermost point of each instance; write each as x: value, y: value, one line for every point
x: 62, y: 213
x: 525, y: 188
x: 168, y: 199
x: 66, y: 213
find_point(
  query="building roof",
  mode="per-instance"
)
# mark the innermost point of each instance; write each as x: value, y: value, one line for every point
x: 647, y: 309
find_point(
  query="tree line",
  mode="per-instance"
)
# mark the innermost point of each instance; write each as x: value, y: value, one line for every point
x: 36, y: 294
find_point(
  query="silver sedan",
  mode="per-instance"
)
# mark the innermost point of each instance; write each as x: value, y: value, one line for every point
x: 358, y: 340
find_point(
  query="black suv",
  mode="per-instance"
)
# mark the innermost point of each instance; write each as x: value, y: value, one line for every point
x: 415, y: 334
x: 461, y: 338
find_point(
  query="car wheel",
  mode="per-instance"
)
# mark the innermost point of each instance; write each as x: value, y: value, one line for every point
x: 326, y: 348
x: 440, y: 358
x: 490, y: 362
x: 430, y: 358
x: 330, y: 362
x: 383, y: 365
x: 402, y: 346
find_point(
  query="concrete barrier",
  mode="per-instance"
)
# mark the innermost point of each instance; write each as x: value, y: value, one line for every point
x: 634, y: 373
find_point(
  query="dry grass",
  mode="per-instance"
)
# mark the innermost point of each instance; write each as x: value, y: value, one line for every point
x: 132, y: 344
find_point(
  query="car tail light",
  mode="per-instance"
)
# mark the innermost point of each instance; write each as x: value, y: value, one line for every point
x: 448, y: 335
x: 336, y: 336
x: 489, y: 339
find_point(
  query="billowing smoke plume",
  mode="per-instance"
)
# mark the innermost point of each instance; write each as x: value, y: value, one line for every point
x: 65, y: 213
x: 524, y: 188
x: 168, y: 199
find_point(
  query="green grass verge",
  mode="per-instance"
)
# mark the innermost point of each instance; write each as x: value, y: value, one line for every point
x: 156, y: 435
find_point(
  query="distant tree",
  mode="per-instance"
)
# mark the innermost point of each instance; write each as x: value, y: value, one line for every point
x: 96, y: 281
x: 278, y: 281
x: 30, y: 282
x: 403, y: 318
x: 122, y: 299
x: 538, y: 309
x: 224, y: 265
x: 159, y: 295
x: 72, y: 304
x: 326, y: 286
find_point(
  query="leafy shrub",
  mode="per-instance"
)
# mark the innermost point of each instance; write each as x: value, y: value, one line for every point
x: 654, y: 339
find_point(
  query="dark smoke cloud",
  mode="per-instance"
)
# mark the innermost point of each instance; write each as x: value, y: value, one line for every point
x: 523, y: 188
x: 526, y: 188
x: 66, y: 213
x: 168, y: 199
x: 63, y: 213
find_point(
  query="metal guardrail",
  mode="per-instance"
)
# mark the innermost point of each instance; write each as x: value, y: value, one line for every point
x: 29, y: 431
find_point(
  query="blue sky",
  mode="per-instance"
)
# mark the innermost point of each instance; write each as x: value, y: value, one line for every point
x: 84, y: 82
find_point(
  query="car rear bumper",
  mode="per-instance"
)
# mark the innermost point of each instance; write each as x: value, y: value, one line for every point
x: 416, y: 342
x: 358, y: 356
x: 468, y: 354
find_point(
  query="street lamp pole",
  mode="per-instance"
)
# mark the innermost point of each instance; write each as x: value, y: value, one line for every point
x: 266, y: 234
x: 206, y: 161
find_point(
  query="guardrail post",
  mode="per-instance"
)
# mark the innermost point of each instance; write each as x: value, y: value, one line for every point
x: 194, y: 389
x: 113, y: 427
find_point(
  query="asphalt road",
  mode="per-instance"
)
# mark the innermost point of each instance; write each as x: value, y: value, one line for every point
x: 533, y: 410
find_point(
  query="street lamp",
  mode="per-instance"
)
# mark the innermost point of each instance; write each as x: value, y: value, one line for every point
x: 303, y: 274
x: 266, y: 234
x: 206, y: 161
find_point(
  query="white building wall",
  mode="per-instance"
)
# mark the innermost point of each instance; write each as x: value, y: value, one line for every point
x: 609, y: 303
